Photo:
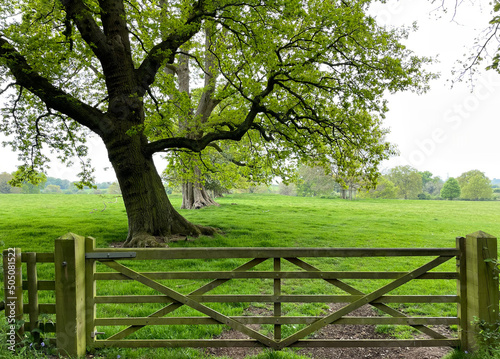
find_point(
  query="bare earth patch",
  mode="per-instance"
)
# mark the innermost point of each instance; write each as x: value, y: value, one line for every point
x: 341, y: 332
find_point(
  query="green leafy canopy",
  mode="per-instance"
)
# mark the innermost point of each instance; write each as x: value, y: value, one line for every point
x: 290, y: 80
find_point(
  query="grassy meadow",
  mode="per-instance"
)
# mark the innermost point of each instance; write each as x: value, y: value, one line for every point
x: 32, y: 222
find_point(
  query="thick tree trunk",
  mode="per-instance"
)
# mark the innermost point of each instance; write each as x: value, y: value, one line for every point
x: 194, y: 194
x: 152, y: 220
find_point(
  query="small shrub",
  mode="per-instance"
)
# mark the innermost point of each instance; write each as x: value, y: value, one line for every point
x: 479, y: 354
x: 487, y: 335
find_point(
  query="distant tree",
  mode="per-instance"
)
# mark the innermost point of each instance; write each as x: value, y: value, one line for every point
x: 103, y: 185
x: 30, y: 188
x: 408, y: 180
x: 5, y: 187
x: 433, y: 186
x: 465, y: 177
x: 114, y: 188
x: 313, y: 181
x: 201, y: 181
x: 62, y: 183
x: 52, y: 188
x: 475, y: 185
x: 451, y: 189
x: 348, y: 186
x: 426, y: 177
x: 287, y: 190
x: 385, y: 189
x: 261, y: 188
x: 215, y: 188
x: 71, y: 190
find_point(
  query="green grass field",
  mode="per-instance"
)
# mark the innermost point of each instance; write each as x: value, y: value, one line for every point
x: 32, y: 222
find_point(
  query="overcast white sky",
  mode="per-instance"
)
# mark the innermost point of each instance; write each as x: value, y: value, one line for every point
x: 447, y: 131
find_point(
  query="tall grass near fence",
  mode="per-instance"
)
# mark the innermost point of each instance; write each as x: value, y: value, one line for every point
x: 32, y: 222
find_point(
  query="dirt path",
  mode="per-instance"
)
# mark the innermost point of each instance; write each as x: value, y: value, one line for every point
x: 343, y: 332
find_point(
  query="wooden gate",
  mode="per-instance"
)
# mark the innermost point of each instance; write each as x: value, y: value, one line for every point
x: 78, y: 327
x: 197, y: 298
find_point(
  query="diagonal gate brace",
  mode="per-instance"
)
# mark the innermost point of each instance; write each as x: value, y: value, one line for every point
x: 173, y: 306
x: 353, y: 291
x: 221, y: 318
x: 320, y: 323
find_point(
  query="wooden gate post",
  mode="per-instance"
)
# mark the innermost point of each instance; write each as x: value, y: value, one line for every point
x: 69, y: 260
x: 13, y: 291
x: 479, y: 293
x: 90, y: 293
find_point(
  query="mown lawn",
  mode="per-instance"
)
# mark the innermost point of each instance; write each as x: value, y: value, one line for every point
x: 32, y: 222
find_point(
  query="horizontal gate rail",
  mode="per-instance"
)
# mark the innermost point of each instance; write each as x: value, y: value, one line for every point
x: 41, y: 285
x: 277, y: 252
x: 303, y: 343
x: 43, y: 308
x: 40, y: 257
x: 143, y: 321
x: 245, y: 298
x: 274, y: 275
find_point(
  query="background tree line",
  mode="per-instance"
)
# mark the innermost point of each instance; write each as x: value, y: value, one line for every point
x: 401, y: 182
x: 52, y: 185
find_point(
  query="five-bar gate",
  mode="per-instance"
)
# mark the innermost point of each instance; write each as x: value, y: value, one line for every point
x: 77, y: 300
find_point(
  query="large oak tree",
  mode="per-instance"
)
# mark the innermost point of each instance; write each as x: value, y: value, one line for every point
x: 293, y: 79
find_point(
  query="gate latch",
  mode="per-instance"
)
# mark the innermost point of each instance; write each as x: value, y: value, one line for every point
x: 96, y: 333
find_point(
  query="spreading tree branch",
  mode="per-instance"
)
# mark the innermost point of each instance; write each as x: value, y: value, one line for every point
x: 91, y: 33
x: 197, y: 145
x: 228, y: 157
x: 165, y: 51
x: 52, y: 96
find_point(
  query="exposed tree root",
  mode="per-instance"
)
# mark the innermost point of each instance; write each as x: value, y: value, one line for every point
x: 146, y: 240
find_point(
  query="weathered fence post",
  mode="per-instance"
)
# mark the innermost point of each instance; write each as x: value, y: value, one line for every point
x: 277, y: 304
x: 463, y: 326
x: 13, y: 291
x: 31, y: 274
x: 69, y: 260
x: 90, y: 293
x: 479, y: 293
